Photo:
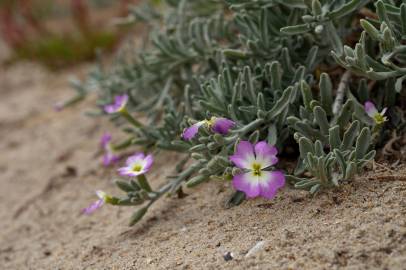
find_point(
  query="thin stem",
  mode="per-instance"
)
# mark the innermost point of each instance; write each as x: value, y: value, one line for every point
x: 123, y: 144
x: 376, y: 130
x: 247, y: 128
x: 70, y: 101
x: 129, y: 118
x: 338, y: 102
x: 184, y: 175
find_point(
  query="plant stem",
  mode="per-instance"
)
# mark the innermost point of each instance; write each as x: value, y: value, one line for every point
x: 129, y: 118
x: 143, y: 182
x: 184, y: 175
x: 123, y: 144
x: 338, y: 102
x: 70, y: 101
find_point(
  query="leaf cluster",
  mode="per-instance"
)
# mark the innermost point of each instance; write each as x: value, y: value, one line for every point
x: 294, y: 73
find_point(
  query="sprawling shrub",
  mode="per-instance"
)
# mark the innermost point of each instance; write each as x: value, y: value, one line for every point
x: 231, y: 83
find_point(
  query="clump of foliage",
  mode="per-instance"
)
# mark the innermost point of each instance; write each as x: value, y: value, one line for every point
x: 302, y: 75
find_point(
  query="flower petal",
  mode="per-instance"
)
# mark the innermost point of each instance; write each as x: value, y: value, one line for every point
x: 101, y: 194
x: 126, y: 171
x: 136, y: 158
x: 93, y: 207
x: 119, y: 103
x: 270, y: 182
x: 148, y: 161
x: 110, y: 158
x: 190, y: 132
x: 222, y: 125
x: 111, y: 108
x: 247, y: 183
x: 244, y: 156
x: 265, y: 154
x: 121, y: 100
x: 105, y: 139
x: 370, y: 109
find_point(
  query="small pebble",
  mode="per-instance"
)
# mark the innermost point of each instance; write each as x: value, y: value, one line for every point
x: 258, y: 246
x: 228, y: 256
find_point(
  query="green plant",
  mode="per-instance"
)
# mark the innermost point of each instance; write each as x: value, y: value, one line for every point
x: 282, y: 71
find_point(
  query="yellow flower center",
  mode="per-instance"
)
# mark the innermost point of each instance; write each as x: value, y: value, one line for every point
x: 256, y: 168
x: 122, y: 109
x: 137, y: 168
x: 210, y: 122
x: 379, y: 118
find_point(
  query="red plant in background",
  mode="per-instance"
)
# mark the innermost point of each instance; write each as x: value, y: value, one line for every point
x: 124, y: 4
x: 13, y: 33
x: 81, y: 16
x: 26, y: 7
x: 35, y: 35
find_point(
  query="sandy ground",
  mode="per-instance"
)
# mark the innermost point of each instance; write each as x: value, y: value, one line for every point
x: 49, y: 169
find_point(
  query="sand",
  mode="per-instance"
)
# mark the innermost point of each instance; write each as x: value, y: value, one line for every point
x: 50, y: 167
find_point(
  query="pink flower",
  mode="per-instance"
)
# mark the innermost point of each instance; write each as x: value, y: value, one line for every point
x: 109, y: 157
x: 119, y: 104
x: 103, y: 197
x: 256, y: 181
x: 218, y: 125
x: 372, y: 111
x: 136, y: 165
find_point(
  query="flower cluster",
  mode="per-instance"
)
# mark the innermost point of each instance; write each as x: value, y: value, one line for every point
x: 255, y: 175
x: 255, y: 161
x: 252, y: 87
x: 218, y: 125
x: 136, y: 165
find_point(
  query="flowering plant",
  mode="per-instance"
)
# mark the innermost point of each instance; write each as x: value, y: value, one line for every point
x: 138, y: 188
x: 263, y: 79
x: 218, y: 125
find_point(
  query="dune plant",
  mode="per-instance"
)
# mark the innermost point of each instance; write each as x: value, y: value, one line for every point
x: 231, y: 83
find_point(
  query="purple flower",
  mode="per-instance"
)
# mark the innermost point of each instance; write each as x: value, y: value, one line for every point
x: 103, y: 197
x: 216, y: 124
x: 256, y: 181
x: 119, y: 104
x: 372, y: 111
x: 136, y: 165
x: 109, y: 157
x: 190, y: 132
x: 222, y: 125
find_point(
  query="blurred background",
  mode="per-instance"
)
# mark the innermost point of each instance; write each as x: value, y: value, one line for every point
x: 59, y: 33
